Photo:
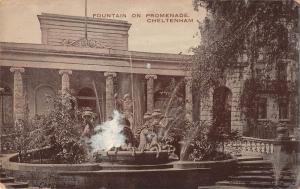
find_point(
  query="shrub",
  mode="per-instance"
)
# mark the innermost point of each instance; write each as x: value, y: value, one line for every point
x: 60, y: 130
x: 206, y: 142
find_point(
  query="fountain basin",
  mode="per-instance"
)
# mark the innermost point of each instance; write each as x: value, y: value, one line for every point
x: 132, y: 158
x: 112, y: 175
x: 170, y: 178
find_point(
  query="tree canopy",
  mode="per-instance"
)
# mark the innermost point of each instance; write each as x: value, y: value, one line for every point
x: 236, y: 32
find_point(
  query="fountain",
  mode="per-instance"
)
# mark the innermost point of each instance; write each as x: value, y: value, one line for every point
x: 120, y: 159
x: 125, y: 163
x: 124, y: 148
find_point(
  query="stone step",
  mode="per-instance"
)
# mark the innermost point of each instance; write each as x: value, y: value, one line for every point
x: 16, y: 185
x: 249, y: 164
x: 255, y: 168
x: 224, y: 187
x: 255, y: 172
x: 256, y: 162
x: 287, y: 178
x: 249, y: 158
x: 2, y: 174
x: 7, y: 179
x: 267, y: 178
x: 252, y: 178
x: 288, y: 173
x: 250, y: 184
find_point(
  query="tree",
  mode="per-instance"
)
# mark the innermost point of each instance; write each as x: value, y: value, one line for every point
x: 235, y: 35
x: 237, y: 28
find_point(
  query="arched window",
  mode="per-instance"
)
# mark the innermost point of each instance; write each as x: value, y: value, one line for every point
x: 43, y: 103
x: 86, y: 98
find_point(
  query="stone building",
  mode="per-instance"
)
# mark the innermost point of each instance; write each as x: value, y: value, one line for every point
x: 93, y: 69
x: 96, y: 68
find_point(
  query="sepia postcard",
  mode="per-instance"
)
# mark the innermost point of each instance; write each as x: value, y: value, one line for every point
x: 131, y: 94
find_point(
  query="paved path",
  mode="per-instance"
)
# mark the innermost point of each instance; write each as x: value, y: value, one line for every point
x: 234, y: 187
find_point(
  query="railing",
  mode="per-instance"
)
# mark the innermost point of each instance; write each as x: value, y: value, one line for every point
x: 8, y: 143
x: 265, y: 146
x: 261, y: 131
x: 250, y: 145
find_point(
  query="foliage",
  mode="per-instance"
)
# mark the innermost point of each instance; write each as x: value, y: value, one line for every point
x: 173, y: 106
x: 60, y: 130
x: 200, y: 140
x: 21, y: 139
x: 207, y: 142
x: 248, y: 101
x: 242, y: 35
x: 236, y: 32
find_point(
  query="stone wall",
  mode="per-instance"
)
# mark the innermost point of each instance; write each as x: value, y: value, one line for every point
x: 39, y: 82
x: 108, y: 33
x: 235, y: 82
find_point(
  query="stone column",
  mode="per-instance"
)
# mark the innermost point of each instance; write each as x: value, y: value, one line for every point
x: 150, y: 92
x: 188, y: 99
x: 109, y: 93
x: 65, y: 80
x: 19, y: 97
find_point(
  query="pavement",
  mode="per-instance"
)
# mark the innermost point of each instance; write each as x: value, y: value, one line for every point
x: 234, y: 187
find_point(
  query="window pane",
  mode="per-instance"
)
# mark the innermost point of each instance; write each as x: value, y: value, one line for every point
x: 262, y: 108
x: 283, y: 109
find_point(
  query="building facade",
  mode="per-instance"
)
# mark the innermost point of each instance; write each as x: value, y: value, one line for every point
x: 96, y: 67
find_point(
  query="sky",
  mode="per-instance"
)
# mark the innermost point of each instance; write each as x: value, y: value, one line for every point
x: 19, y: 23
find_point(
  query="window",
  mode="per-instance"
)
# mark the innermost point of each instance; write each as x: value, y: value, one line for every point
x: 262, y: 108
x: 6, y: 107
x: 259, y: 74
x: 86, y: 98
x: 282, y: 72
x: 283, y: 108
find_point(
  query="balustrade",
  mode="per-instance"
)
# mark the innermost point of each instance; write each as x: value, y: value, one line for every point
x: 249, y: 144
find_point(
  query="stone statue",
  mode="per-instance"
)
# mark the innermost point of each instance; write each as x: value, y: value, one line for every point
x: 147, y: 117
x: 149, y: 133
x: 88, y: 118
x: 129, y: 137
x: 128, y: 108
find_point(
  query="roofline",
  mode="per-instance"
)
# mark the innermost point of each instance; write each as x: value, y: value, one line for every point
x: 82, y: 19
x: 105, y: 53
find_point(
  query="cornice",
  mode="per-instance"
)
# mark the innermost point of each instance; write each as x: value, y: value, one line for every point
x: 41, y: 49
x: 81, y: 19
